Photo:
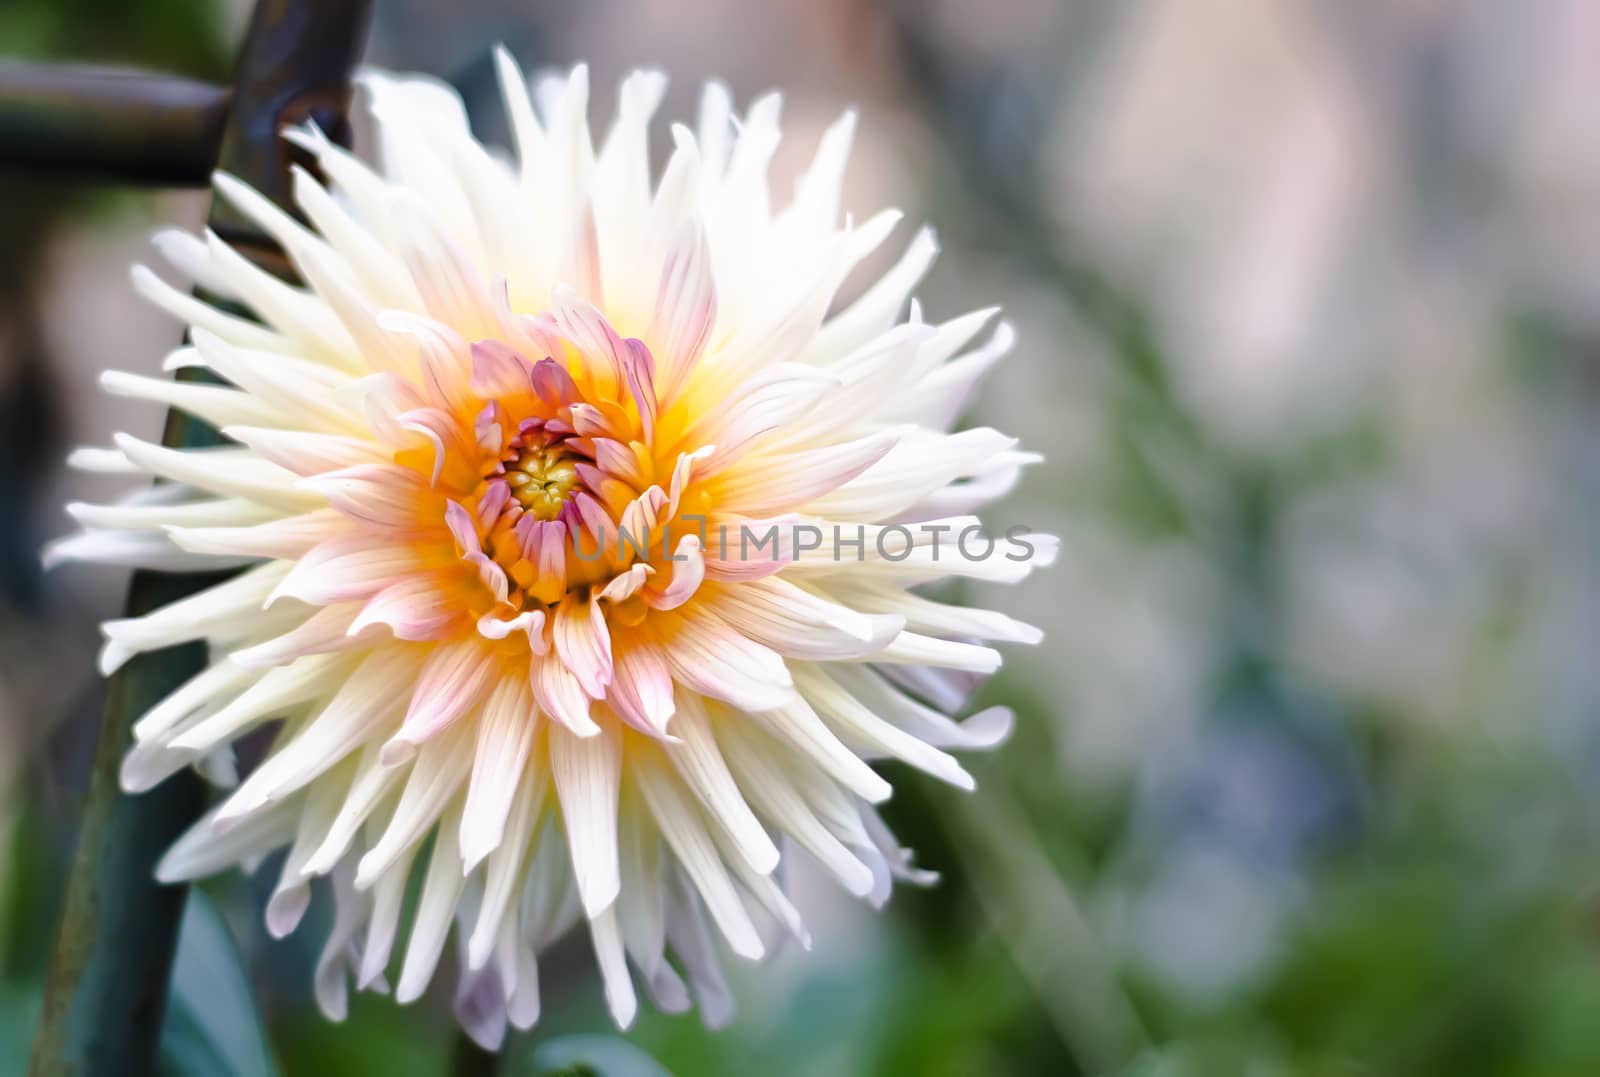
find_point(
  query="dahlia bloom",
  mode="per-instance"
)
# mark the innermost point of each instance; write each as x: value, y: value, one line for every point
x: 577, y: 536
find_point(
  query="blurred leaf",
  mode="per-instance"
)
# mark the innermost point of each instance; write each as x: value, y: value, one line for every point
x: 19, y: 1013
x: 377, y: 1037
x: 1247, y: 1050
x: 593, y: 1056
x: 212, y: 1026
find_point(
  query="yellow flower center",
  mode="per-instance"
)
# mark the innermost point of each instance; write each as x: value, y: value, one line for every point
x: 541, y: 479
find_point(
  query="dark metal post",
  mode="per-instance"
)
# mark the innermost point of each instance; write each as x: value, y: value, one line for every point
x: 110, y: 126
x: 107, y: 986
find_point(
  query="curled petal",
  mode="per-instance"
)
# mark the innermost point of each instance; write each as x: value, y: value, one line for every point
x: 347, y: 567
x: 554, y: 385
x: 583, y: 643
x: 450, y: 684
x: 530, y: 622
x: 560, y: 695
x: 379, y: 495
x: 641, y: 691
x: 711, y: 658
x: 624, y: 586
x: 416, y: 608
x: 688, y: 572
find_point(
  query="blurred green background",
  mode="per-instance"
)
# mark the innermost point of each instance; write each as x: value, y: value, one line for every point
x: 1304, y: 779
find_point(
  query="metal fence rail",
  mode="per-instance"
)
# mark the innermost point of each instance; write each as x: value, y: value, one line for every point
x: 107, y: 985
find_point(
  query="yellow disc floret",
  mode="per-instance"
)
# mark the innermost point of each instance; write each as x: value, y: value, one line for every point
x: 541, y: 479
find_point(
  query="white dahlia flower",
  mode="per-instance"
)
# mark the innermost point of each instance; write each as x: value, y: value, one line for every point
x: 577, y: 535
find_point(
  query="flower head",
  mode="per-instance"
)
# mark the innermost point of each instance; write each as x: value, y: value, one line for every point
x: 576, y: 535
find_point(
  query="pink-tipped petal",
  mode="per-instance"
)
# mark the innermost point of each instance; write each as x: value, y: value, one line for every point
x: 450, y: 684
x: 560, y: 695
x: 639, y: 370
x: 688, y: 572
x: 641, y: 691
x: 499, y: 371
x: 583, y: 643
x: 416, y: 608
x: 686, y: 310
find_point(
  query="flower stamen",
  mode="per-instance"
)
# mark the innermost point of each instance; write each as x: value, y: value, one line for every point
x: 541, y: 480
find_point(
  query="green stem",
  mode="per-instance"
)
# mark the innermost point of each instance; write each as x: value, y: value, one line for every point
x: 107, y: 986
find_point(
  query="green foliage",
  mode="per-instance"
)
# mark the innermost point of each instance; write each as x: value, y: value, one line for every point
x: 377, y: 1037
x: 182, y: 36
x: 211, y: 1025
x: 592, y: 1056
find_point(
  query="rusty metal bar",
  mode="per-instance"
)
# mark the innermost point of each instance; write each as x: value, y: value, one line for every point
x: 110, y: 125
x: 107, y: 985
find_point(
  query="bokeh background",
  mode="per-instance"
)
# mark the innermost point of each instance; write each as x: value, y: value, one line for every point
x: 1306, y: 778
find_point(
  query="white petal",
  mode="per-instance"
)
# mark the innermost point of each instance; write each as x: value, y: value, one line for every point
x: 878, y: 308
x: 783, y: 482
x: 286, y: 538
x: 441, y: 887
x: 335, y: 964
x: 298, y: 314
x: 764, y: 780
x: 914, y: 649
x: 685, y: 310
x: 503, y: 871
x: 368, y: 697
x: 292, y: 895
x: 327, y: 629
x: 223, y: 610
x: 228, y: 472
x: 980, y: 732
x: 215, y: 404
x: 441, y: 766
x: 938, y: 618
x: 641, y: 689
x: 219, y: 681
x: 451, y: 682
x: 191, y: 311
x: 608, y: 949
x: 709, y: 657
x: 681, y: 825
x: 700, y: 764
x: 133, y: 549
x: 587, y: 771
x: 203, y: 850
x: 418, y: 607
x: 798, y: 725
x: 641, y: 903
x: 505, y: 739
x: 584, y: 644
x: 207, y: 512
x: 798, y: 624
x: 278, y: 692
x: 346, y: 567
x: 854, y: 720
x: 388, y: 895
x: 691, y: 942
x: 560, y: 696
x: 371, y: 785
